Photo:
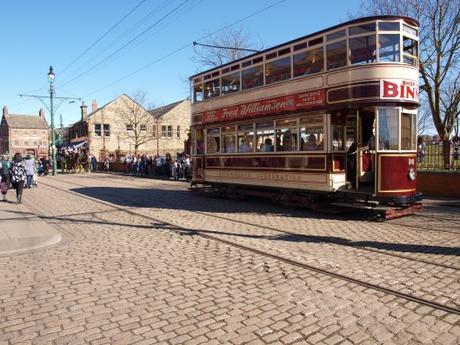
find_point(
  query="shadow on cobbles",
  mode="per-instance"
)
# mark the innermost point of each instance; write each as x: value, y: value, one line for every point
x: 205, y: 202
x: 399, y: 247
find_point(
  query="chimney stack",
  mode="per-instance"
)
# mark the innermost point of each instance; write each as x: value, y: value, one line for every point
x: 84, y: 111
x: 94, y: 106
x: 5, y: 111
x: 41, y: 113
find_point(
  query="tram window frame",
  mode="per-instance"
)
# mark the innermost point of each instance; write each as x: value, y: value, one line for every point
x: 381, y: 47
x: 213, y: 137
x: 408, y: 133
x: 214, y: 88
x: 290, y: 127
x: 340, y: 138
x: 251, y: 83
x: 389, y: 26
x: 308, y: 126
x: 310, y: 65
x: 390, y: 125
x: 336, y: 54
x: 245, y: 131
x: 278, y: 70
x: 228, y: 137
x: 198, y: 144
x: 263, y: 131
x: 410, y: 53
x: 198, y: 92
x: 370, y: 49
x: 231, y: 79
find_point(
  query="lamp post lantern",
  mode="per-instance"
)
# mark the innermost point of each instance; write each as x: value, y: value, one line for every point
x: 51, y: 77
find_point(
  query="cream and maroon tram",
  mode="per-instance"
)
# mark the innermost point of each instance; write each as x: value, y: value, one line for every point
x: 328, y: 116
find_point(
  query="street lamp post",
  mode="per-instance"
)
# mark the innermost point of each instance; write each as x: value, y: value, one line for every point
x: 51, y: 77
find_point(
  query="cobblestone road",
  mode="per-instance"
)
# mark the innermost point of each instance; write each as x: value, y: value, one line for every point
x: 124, y: 278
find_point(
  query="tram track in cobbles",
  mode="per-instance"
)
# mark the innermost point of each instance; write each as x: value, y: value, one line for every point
x: 344, y: 242
x: 171, y: 226
x: 134, y: 179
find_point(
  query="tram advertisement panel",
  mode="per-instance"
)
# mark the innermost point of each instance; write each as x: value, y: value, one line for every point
x: 399, y: 89
x: 298, y: 101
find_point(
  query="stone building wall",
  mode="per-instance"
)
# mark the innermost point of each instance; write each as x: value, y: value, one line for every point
x: 179, y: 116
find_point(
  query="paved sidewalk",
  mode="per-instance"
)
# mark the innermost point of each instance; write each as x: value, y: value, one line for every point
x: 22, y: 230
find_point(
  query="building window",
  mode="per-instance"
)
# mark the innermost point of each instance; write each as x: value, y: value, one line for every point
x: 143, y: 128
x: 166, y: 131
x: 35, y: 143
x: 178, y: 131
x: 154, y: 131
x: 129, y: 127
x: 16, y: 143
x: 26, y: 143
x: 97, y: 129
x: 106, y: 130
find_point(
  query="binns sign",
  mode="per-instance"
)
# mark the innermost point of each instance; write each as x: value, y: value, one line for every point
x: 399, y: 89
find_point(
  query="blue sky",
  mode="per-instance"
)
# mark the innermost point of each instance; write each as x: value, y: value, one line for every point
x: 37, y: 34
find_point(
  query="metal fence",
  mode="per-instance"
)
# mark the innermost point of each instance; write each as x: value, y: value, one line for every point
x: 430, y: 157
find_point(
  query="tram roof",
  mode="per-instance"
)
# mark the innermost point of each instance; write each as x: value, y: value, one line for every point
x: 354, y: 21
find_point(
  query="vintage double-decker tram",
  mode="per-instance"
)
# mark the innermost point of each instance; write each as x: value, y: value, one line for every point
x: 327, y: 117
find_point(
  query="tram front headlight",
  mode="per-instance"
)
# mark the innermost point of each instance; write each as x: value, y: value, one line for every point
x: 412, y: 174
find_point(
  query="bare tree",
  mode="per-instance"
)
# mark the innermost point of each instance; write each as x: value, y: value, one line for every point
x: 137, y: 121
x: 439, y: 56
x: 235, y: 41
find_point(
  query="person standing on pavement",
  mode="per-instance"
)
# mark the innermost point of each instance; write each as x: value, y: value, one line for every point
x: 18, y: 176
x: 30, y: 170
x: 4, y: 176
x: 94, y: 162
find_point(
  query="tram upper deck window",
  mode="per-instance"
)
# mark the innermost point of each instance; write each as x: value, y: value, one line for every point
x: 410, y: 51
x: 408, y: 135
x: 213, y: 140
x: 388, y: 130
x: 389, y: 26
x: 265, y: 136
x: 336, y: 55
x: 198, y: 92
x: 362, y: 49
x: 308, y: 62
x: 389, y: 47
x: 212, y: 88
x: 252, y: 77
x: 362, y: 29
x: 278, y: 70
x: 230, y: 83
x: 311, y: 133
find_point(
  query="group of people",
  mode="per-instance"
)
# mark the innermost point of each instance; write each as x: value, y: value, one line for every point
x: 19, y: 173
x: 144, y: 165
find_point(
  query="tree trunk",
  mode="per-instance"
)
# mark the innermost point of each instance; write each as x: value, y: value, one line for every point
x: 446, y: 153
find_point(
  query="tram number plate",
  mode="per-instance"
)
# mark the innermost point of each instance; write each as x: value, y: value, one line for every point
x: 411, y: 161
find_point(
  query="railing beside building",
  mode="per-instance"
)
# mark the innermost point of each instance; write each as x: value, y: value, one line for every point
x: 430, y: 157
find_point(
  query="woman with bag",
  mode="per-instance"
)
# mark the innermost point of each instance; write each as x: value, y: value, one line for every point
x: 18, y: 176
x: 4, y: 176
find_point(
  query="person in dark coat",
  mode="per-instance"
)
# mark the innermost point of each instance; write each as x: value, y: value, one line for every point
x: 18, y: 176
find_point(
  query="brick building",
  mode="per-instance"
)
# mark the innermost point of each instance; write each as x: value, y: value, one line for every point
x: 111, y: 131
x: 26, y: 134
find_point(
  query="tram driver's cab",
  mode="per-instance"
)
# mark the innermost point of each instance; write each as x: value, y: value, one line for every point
x: 380, y: 146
